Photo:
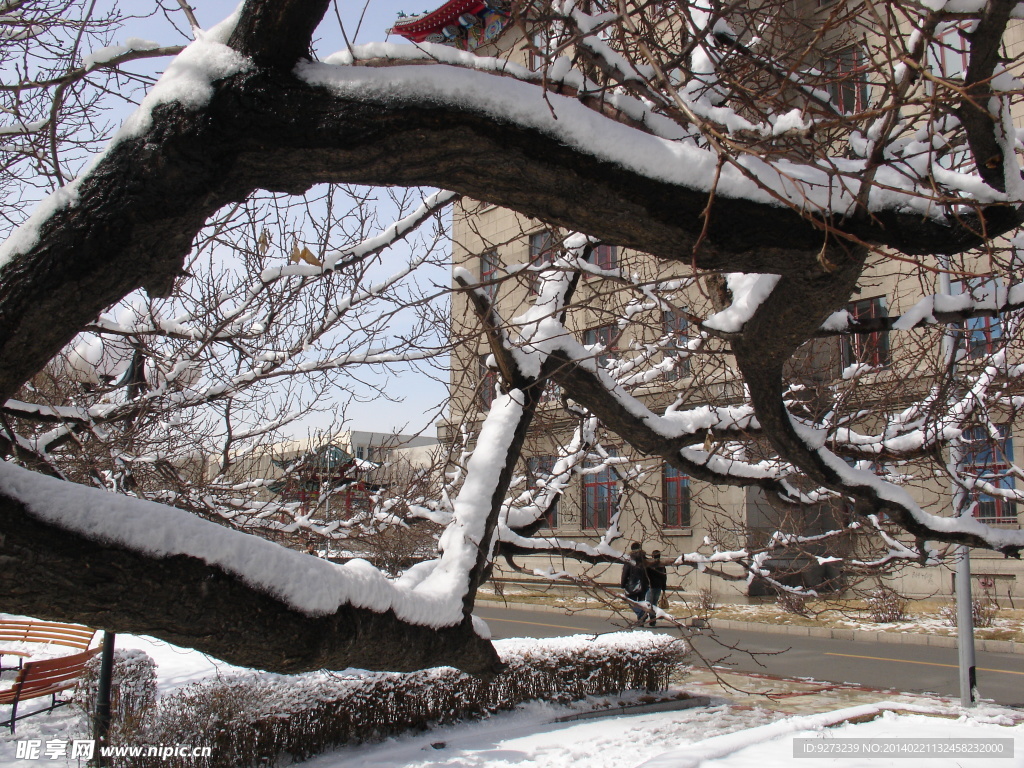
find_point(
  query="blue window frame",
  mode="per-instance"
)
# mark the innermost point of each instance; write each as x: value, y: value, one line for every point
x: 989, y: 458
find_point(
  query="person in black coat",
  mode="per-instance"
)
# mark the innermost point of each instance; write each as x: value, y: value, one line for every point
x: 634, y: 581
x: 657, y: 578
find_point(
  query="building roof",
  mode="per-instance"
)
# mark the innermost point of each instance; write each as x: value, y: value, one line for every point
x: 417, y: 28
x: 465, y: 24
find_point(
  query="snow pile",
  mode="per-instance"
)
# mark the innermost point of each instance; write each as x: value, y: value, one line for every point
x: 748, y: 292
x: 772, y: 745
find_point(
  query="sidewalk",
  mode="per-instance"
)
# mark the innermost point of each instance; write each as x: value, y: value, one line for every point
x: 793, y: 697
x: 897, y: 638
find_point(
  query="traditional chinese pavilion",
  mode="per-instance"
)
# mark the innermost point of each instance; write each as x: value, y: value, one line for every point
x: 329, y: 468
x: 465, y: 24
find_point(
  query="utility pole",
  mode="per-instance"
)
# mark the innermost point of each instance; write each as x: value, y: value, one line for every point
x: 962, y: 583
x: 102, y: 724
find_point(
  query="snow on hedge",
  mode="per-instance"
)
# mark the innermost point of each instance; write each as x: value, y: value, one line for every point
x: 251, y: 719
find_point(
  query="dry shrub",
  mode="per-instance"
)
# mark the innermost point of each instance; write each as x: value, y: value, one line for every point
x: 133, y: 693
x: 792, y: 603
x: 984, y: 610
x: 705, y: 603
x: 886, y: 606
x: 260, y: 720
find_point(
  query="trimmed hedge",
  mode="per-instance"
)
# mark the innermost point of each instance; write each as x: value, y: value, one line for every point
x: 260, y: 719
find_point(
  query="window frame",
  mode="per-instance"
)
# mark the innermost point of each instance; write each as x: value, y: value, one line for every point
x: 542, y: 251
x: 604, y: 257
x: 600, y: 497
x: 488, y: 382
x: 844, y: 69
x: 606, y: 335
x: 675, y: 325
x: 978, y: 336
x: 873, y: 348
x: 676, y: 496
x: 489, y: 265
x: 545, y: 464
x: 950, y: 49
x: 985, y: 458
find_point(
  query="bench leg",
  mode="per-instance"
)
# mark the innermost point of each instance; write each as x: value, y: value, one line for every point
x: 14, y: 711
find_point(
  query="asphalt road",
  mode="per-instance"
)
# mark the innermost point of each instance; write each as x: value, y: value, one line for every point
x: 909, y: 668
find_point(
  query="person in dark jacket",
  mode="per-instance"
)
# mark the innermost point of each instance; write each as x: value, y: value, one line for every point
x: 657, y: 577
x: 634, y: 580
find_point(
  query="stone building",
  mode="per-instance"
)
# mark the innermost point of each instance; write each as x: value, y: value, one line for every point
x: 648, y: 500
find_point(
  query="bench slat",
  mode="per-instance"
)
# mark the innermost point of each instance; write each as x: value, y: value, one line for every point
x: 41, y: 678
x: 48, y: 632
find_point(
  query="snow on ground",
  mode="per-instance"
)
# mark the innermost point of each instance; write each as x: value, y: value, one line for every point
x: 529, y: 738
x: 720, y: 736
x: 772, y: 746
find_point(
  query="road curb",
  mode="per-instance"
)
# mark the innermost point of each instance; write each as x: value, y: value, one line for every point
x: 835, y: 633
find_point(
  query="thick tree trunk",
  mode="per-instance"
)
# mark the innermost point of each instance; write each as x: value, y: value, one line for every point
x: 52, y: 573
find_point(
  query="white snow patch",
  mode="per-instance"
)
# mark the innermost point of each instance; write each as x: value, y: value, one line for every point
x: 748, y: 291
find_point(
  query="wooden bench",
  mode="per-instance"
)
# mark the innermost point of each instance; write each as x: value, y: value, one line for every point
x: 42, y: 632
x: 44, y: 678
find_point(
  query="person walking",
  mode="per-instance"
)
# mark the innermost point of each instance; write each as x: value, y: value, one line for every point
x: 657, y: 578
x: 634, y: 581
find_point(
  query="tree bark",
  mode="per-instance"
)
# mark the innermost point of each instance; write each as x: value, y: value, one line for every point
x: 52, y: 573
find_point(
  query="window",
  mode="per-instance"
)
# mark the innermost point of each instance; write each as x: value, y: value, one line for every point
x: 540, y: 49
x: 847, y: 83
x: 600, y: 494
x: 541, y: 468
x: 542, y: 251
x: 606, y: 257
x: 604, y: 335
x: 489, y: 272
x: 989, y: 459
x: 949, y: 52
x: 674, y: 326
x: 488, y: 381
x: 980, y: 335
x: 675, y: 498
x: 552, y: 393
x: 867, y: 348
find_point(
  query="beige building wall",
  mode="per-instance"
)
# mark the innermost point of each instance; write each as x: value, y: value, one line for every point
x: 480, y: 229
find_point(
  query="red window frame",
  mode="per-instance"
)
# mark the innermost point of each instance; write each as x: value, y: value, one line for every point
x: 868, y: 348
x: 847, y: 70
x: 980, y: 335
x: 600, y: 495
x: 950, y: 53
x: 675, y: 498
x: 606, y: 257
